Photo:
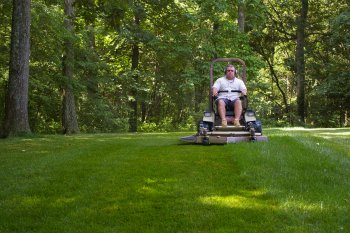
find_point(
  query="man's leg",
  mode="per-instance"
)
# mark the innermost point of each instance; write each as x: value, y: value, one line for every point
x: 222, y: 111
x: 238, y: 112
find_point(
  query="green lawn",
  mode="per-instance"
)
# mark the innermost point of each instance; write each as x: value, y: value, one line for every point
x: 298, y: 181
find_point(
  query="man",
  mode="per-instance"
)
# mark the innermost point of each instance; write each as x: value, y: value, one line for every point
x: 228, y: 89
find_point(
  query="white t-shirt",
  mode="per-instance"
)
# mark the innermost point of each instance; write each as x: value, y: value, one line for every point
x: 223, y: 84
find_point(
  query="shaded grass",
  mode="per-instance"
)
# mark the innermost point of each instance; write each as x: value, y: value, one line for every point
x: 296, y: 182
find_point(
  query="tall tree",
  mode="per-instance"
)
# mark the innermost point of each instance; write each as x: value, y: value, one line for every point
x: 135, y: 56
x: 300, y: 59
x: 89, y: 12
x: 241, y: 15
x: 69, y: 120
x: 16, y: 106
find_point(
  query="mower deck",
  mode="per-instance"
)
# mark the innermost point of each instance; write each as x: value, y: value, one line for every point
x: 225, y: 135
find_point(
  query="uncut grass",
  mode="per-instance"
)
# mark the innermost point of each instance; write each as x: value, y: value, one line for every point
x: 297, y: 182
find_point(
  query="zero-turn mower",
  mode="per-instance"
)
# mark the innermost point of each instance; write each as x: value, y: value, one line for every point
x: 209, y: 129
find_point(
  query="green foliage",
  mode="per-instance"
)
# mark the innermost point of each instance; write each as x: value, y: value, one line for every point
x: 45, y: 67
x: 5, y: 34
x: 177, y: 41
x: 340, y: 38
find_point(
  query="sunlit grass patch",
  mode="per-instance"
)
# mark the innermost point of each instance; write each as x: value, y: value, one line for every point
x: 242, y: 200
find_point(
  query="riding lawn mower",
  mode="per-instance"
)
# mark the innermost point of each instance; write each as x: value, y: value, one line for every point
x: 210, y: 130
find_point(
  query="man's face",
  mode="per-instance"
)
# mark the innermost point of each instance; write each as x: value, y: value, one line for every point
x: 230, y: 73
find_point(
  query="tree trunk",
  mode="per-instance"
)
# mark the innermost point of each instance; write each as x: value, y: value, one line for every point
x: 300, y: 61
x: 241, y: 15
x: 276, y: 80
x: 16, y: 105
x: 91, y: 73
x: 134, y: 93
x: 69, y: 119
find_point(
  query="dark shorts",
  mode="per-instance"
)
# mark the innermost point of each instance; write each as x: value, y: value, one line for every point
x: 229, y: 103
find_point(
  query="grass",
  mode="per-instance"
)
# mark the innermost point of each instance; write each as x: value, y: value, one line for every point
x: 298, y: 181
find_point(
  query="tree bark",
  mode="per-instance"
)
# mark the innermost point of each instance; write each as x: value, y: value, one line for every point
x: 134, y: 92
x: 216, y: 27
x: 276, y: 80
x: 16, y: 104
x: 300, y: 61
x: 241, y: 15
x: 69, y: 119
x: 91, y: 73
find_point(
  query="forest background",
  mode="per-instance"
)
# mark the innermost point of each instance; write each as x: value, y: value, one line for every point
x: 143, y: 65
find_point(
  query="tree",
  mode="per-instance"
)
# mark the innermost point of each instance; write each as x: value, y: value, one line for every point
x: 282, y: 44
x: 135, y: 56
x: 241, y: 15
x: 69, y: 120
x: 16, y: 105
x: 143, y: 64
x: 300, y: 59
x: 337, y: 87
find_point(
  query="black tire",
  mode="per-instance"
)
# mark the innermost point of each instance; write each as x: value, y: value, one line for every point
x: 205, y: 124
x: 258, y: 126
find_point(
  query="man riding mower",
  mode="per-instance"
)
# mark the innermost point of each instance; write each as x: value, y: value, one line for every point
x: 232, y: 121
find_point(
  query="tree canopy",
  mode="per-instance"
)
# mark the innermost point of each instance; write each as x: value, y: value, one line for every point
x: 143, y: 65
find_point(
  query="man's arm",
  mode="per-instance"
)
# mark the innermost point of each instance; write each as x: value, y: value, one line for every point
x: 215, y: 91
x: 216, y: 87
x: 243, y: 88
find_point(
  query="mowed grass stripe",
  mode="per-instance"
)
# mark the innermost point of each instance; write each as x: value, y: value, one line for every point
x: 311, y: 186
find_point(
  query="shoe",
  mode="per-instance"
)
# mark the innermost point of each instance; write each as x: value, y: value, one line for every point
x: 224, y: 123
x: 236, y: 123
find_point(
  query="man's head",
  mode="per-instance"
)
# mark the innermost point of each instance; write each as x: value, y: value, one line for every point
x: 230, y: 71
